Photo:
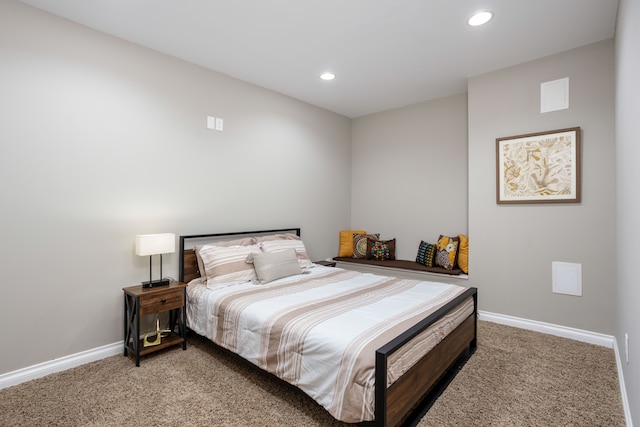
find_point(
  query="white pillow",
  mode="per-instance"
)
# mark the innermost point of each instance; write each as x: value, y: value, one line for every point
x: 275, y: 265
x: 227, y: 264
x: 280, y: 245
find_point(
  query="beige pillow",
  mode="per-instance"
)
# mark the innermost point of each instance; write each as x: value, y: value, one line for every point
x: 280, y: 245
x: 227, y: 264
x: 275, y: 265
x: 238, y: 242
x: 285, y: 236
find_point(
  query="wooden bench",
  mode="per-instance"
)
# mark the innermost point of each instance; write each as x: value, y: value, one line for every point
x: 402, y: 265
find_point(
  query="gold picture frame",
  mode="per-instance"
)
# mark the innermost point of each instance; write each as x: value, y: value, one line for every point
x: 541, y: 167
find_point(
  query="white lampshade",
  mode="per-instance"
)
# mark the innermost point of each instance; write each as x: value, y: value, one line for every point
x: 155, y: 244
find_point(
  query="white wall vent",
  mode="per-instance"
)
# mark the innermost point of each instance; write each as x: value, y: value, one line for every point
x: 566, y: 278
x: 554, y: 95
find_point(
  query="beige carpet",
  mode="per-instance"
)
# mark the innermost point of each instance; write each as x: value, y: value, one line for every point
x: 515, y: 378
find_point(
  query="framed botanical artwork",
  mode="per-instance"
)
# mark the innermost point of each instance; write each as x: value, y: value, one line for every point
x: 539, y: 167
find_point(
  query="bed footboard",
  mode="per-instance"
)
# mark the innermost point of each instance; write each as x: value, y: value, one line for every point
x: 408, y: 398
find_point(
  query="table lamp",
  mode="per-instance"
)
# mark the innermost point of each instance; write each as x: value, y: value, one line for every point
x: 155, y: 244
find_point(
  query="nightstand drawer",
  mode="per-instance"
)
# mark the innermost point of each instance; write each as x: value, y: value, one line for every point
x: 170, y: 300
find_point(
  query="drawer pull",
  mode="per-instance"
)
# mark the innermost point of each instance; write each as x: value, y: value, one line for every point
x: 163, y: 300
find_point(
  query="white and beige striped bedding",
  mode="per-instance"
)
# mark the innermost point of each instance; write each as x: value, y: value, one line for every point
x: 319, y: 331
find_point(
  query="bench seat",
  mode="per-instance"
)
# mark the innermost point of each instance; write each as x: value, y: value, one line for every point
x: 401, y: 264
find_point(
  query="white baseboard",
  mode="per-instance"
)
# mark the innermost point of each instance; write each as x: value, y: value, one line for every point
x: 623, y: 387
x: 549, y: 328
x: 61, y: 364
x: 595, y: 338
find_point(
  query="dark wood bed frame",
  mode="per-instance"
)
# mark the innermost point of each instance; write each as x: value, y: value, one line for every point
x: 407, y: 400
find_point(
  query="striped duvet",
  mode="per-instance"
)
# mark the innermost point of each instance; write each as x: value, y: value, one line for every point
x: 319, y: 330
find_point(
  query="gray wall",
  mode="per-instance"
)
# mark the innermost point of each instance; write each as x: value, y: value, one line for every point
x: 410, y: 173
x: 102, y: 140
x: 628, y: 205
x: 512, y: 246
x: 417, y: 174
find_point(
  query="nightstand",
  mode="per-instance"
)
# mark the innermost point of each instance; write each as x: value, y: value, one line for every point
x: 139, y: 302
x: 326, y: 263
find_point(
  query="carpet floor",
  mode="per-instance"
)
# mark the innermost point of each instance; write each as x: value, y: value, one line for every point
x: 515, y: 378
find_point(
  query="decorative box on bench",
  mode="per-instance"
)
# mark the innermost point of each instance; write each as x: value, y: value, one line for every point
x: 400, y: 264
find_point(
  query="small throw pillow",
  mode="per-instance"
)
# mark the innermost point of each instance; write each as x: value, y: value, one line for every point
x: 360, y: 244
x: 274, y: 265
x: 381, y: 250
x: 463, y: 253
x: 280, y: 245
x: 426, y: 254
x: 447, y: 251
x: 346, y: 242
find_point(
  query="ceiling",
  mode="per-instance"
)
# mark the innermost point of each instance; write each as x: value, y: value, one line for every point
x: 384, y: 53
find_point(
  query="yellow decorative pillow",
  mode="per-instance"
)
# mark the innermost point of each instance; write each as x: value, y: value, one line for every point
x: 346, y: 242
x: 463, y: 253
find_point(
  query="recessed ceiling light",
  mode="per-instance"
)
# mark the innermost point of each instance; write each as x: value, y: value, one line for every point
x: 327, y: 76
x: 480, y: 18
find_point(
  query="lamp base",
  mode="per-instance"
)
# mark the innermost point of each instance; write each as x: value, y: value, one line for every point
x: 156, y: 283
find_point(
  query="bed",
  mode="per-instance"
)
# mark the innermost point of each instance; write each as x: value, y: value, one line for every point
x: 369, y: 349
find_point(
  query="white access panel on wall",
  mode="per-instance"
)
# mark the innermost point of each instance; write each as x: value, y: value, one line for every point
x: 554, y: 95
x: 566, y: 278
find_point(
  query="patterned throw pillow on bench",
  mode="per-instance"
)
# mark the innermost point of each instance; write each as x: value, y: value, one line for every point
x: 381, y: 250
x: 360, y: 244
x: 426, y: 254
x: 447, y: 252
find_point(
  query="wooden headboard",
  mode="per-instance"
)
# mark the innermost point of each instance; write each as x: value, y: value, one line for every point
x: 188, y: 267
